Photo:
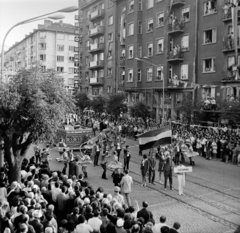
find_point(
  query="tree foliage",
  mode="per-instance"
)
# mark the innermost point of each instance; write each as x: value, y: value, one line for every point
x: 98, y: 104
x: 32, y: 107
x: 116, y: 104
x: 82, y: 101
x: 141, y: 110
x: 230, y: 110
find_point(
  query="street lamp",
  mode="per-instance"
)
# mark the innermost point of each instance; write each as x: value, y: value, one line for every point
x: 154, y: 64
x: 64, y: 10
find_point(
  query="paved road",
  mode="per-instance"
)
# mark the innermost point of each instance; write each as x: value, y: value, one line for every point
x: 211, y: 203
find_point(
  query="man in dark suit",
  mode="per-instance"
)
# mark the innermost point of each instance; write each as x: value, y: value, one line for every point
x: 151, y: 169
x: 145, y: 213
x: 74, y: 169
x: 37, y: 225
x: 175, y: 227
x: 74, y: 216
x: 168, y: 173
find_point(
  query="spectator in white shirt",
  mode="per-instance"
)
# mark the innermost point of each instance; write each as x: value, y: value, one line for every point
x: 95, y: 222
x: 157, y: 227
x: 83, y: 227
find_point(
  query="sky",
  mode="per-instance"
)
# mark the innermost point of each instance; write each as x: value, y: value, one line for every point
x: 15, y: 11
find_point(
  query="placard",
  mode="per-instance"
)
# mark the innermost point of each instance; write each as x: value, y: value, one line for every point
x: 182, y: 169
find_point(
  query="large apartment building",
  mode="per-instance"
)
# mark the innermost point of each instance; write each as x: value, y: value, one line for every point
x: 173, y: 41
x: 52, y: 46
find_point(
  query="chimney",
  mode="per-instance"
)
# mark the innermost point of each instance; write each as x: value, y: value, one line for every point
x: 47, y: 23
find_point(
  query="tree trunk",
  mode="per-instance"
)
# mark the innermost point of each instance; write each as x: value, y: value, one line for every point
x: 15, y: 169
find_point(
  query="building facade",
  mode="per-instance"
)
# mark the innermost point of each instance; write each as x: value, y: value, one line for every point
x: 52, y: 46
x: 162, y: 50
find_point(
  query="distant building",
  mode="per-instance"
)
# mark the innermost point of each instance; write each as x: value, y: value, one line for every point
x: 52, y: 45
x: 179, y: 40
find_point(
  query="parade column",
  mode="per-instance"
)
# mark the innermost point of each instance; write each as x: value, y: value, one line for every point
x: 1, y: 152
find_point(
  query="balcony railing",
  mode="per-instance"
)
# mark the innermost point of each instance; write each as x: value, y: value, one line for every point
x: 178, y: 26
x: 227, y: 14
x: 96, y: 47
x: 175, y: 83
x: 96, y: 64
x: 228, y: 44
x: 96, y: 31
x: 96, y: 81
x: 96, y: 14
x: 175, y: 55
x: 231, y: 76
x: 178, y: 2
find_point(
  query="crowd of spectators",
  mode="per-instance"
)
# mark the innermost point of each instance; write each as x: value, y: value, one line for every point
x: 48, y: 201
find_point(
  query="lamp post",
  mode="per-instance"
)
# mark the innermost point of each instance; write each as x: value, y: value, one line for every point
x: 64, y: 10
x: 156, y: 65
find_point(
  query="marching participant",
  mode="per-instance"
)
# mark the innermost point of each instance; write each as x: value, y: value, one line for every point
x: 84, y: 161
x: 104, y: 158
x: 181, y: 180
x: 60, y: 146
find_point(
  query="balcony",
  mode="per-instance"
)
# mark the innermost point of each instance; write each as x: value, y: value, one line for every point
x: 178, y: 2
x: 176, y: 28
x: 96, y: 47
x: 227, y: 15
x: 231, y: 76
x: 96, y: 15
x: 96, y: 81
x: 228, y: 44
x: 96, y: 31
x: 175, y: 55
x: 122, y: 61
x: 96, y: 64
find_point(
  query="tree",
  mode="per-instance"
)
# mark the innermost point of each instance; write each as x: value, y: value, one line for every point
x: 98, y: 104
x: 82, y: 101
x: 140, y: 110
x: 230, y: 110
x: 32, y: 107
x: 116, y: 105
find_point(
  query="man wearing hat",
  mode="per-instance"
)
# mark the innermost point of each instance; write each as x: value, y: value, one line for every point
x: 36, y: 223
x: 119, y: 226
x: 117, y: 195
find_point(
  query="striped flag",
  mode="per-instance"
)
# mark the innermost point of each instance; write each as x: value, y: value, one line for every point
x: 155, y: 138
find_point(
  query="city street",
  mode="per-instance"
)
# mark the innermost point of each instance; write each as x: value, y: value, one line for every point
x: 212, y: 193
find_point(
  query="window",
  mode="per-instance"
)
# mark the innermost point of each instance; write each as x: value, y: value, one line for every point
x: 130, y: 29
x: 42, y: 46
x: 184, y: 72
x: 139, y: 27
x: 149, y: 25
x: 150, y: 3
x: 159, y: 73
x: 101, y: 73
x: 160, y: 45
x: 60, y: 47
x: 124, y: 9
x: 185, y: 14
x: 60, y: 36
x: 185, y: 43
x: 210, y: 7
x: 110, y: 36
x: 139, y: 76
x: 87, y: 43
x: 71, y: 48
x: 60, y: 69
x: 139, y: 51
x: 131, y: 6
x: 86, y: 60
x: 150, y: 49
x: 71, y: 59
x: 101, y: 39
x: 101, y: 6
x: 160, y: 19
x: 130, y: 75
x: 43, y: 68
x: 130, y: 52
x: 109, y: 72
x: 42, y: 35
x: 71, y: 70
x: 140, y: 5
x: 60, y: 58
x: 149, y: 74
x: 87, y: 29
x: 71, y: 37
x: 42, y: 57
x: 230, y: 61
x: 210, y: 36
x: 109, y: 89
x: 110, y: 49
x: 88, y: 14
x: 86, y: 76
x: 209, y: 65
x: 110, y: 20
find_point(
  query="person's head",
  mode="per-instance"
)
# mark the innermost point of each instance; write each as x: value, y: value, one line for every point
x: 165, y: 229
x: 163, y: 219
x: 135, y: 228
x: 176, y: 225
x: 116, y: 189
x: 81, y: 219
x: 144, y: 204
x: 23, y: 228
x: 127, y: 146
x: 126, y: 171
x: 105, y: 212
x: 145, y: 156
x: 96, y: 213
